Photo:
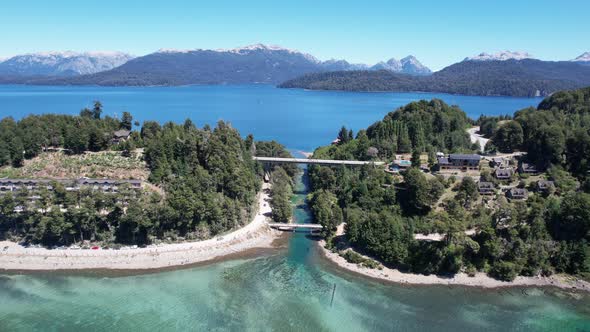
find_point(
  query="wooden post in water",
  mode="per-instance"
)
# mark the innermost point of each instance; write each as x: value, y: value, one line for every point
x: 333, y: 292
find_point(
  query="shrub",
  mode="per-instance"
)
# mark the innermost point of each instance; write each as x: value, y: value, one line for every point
x: 355, y: 258
x: 505, y: 271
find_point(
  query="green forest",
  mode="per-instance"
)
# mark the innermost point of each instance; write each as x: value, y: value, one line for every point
x: 423, y: 126
x: 554, y: 133
x: 548, y: 233
x: 206, y: 181
x: 523, y: 78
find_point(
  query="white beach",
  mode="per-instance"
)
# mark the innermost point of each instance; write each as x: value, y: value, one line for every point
x: 460, y: 279
x: 256, y: 234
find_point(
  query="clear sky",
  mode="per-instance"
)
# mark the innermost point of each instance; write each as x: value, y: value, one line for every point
x: 437, y: 32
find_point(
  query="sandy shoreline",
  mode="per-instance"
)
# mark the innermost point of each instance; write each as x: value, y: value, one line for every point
x: 256, y: 234
x: 461, y: 279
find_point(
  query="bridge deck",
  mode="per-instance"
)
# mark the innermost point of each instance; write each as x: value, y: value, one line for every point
x: 317, y: 161
x: 295, y: 226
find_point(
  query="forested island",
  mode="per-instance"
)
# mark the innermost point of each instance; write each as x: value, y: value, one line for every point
x: 524, y: 212
x: 525, y: 78
x: 92, y: 178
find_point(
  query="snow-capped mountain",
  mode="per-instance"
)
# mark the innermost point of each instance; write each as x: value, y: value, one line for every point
x: 339, y: 65
x: 500, y: 56
x: 256, y: 63
x: 392, y: 64
x: 585, y: 57
x: 246, y: 50
x: 408, y: 65
x: 62, y: 63
x: 411, y: 65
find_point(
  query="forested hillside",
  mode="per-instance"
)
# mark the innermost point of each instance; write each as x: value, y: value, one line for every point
x: 207, y: 182
x: 547, y: 233
x: 524, y: 78
x: 554, y: 133
x: 29, y: 136
x: 423, y: 126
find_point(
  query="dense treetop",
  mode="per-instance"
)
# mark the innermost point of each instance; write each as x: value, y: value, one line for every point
x: 206, y: 178
x: 557, y: 132
x: 547, y: 233
x: 423, y: 126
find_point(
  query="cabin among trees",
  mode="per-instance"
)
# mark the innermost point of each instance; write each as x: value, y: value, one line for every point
x: 462, y: 162
x: 517, y: 193
x: 503, y: 174
x: 486, y: 188
x: 121, y: 135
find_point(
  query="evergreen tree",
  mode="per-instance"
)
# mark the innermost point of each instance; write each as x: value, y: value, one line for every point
x: 126, y: 121
x: 97, y: 110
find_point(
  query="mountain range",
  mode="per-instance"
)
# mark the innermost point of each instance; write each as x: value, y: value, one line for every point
x: 503, y: 73
x: 500, y: 56
x: 251, y: 64
x: 584, y: 58
x: 62, y: 63
x: 484, y: 77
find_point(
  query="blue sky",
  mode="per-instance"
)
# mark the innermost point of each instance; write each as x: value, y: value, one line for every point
x: 437, y: 32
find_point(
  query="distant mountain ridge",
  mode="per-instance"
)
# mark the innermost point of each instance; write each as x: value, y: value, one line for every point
x: 500, y: 56
x: 408, y: 65
x: 526, y: 77
x: 62, y: 63
x: 583, y: 58
x: 256, y: 63
x: 504, y: 73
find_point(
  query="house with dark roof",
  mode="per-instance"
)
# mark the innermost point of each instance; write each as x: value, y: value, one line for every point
x: 107, y: 185
x: 121, y: 136
x: 503, y: 173
x: 463, y: 162
x: 528, y: 168
x: 7, y: 185
x: 517, y: 193
x: 486, y: 188
x: 500, y: 162
x: 545, y: 185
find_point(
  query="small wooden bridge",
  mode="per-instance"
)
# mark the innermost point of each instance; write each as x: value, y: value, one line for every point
x: 296, y: 227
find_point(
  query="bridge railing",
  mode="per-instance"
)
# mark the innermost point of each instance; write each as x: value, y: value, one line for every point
x: 317, y: 161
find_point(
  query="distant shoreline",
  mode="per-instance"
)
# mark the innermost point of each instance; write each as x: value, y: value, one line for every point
x: 480, y: 280
x: 256, y: 235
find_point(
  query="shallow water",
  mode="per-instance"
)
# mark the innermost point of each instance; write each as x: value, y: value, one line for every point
x: 289, y: 290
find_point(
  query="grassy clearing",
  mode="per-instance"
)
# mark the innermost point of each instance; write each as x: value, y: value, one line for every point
x: 106, y: 164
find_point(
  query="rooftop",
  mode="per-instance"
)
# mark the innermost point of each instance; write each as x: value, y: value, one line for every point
x: 485, y: 185
x: 122, y: 133
x: 465, y: 156
x: 518, y: 192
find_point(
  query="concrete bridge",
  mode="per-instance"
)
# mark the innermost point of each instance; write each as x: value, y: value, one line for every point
x: 294, y: 227
x: 324, y: 162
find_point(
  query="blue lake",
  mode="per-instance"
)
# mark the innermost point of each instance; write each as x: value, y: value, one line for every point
x: 290, y: 290
x: 301, y: 120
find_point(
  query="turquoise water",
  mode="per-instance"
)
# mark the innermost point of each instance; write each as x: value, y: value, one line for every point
x: 285, y: 291
x: 301, y: 120
x: 289, y: 291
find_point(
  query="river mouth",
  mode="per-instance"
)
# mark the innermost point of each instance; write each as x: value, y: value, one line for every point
x: 282, y: 289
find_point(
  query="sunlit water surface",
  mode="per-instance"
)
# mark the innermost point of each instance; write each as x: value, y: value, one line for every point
x: 290, y: 290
